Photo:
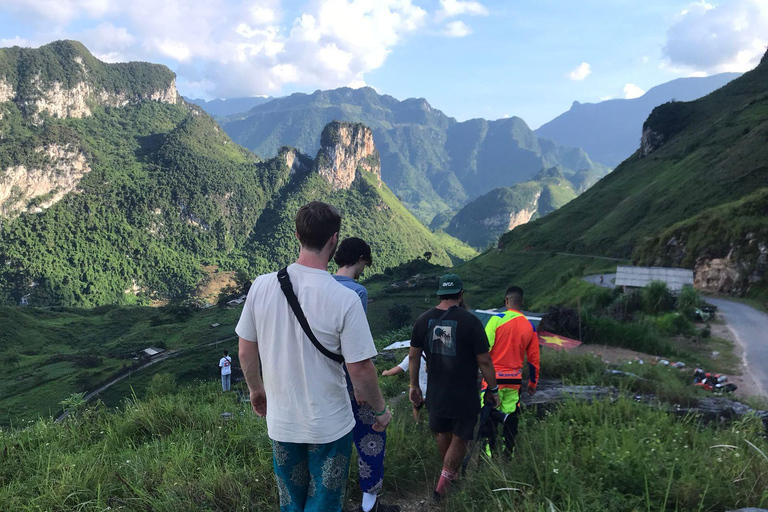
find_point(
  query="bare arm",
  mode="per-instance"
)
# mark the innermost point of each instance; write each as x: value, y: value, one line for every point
x: 414, y: 365
x: 365, y: 380
x: 249, y: 361
x: 395, y: 370
x: 485, y: 363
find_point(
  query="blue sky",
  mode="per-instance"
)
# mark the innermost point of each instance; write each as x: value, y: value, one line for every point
x: 469, y: 58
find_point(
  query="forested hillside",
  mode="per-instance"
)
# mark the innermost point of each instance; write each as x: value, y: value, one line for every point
x: 115, y: 190
x: 698, y: 160
x: 481, y: 222
x: 430, y: 161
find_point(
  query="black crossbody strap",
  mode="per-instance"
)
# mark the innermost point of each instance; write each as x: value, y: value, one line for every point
x: 287, y: 287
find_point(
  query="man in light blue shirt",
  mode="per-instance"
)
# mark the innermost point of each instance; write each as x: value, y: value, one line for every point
x: 352, y: 256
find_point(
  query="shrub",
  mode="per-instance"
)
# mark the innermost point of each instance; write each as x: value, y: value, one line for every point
x: 657, y: 298
x: 640, y: 336
x: 399, y: 315
x: 687, y: 302
x: 673, y: 324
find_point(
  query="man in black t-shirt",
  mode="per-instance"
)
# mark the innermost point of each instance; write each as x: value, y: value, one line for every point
x: 456, y: 346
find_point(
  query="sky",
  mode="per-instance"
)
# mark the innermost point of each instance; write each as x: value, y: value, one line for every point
x: 469, y: 58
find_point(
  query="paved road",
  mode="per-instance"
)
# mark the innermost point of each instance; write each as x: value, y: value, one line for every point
x: 751, y: 329
x: 608, y: 280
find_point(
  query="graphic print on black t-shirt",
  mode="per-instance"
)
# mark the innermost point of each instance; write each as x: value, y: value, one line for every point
x: 451, y: 341
x: 443, y: 340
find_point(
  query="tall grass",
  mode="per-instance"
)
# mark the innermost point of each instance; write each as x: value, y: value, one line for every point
x: 176, y: 453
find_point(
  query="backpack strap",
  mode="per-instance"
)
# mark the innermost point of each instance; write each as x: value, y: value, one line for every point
x: 287, y: 287
x: 437, y: 322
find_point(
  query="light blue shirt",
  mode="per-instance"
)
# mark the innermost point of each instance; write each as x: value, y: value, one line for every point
x: 355, y: 287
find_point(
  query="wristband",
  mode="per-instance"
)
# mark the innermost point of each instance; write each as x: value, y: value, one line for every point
x: 386, y: 408
x: 494, y: 391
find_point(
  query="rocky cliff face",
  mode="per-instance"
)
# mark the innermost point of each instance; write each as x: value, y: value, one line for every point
x: 25, y: 189
x: 736, y: 273
x: 650, y: 141
x: 345, y: 148
x: 6, y: 91
x: 76, y: 102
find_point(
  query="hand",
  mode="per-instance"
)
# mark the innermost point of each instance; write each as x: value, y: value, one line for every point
x: 492, y: 399
x: 531, y: 390
x: 382, y: 422
x: 415, y: 396
x: 259, y: 402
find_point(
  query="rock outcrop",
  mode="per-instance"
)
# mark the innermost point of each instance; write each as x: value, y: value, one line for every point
x: 25, y: 189
x: 650, y: 141
x: 295, y: 160
x: 345, y: 149
x: 76, y: 102
x: 6, y: 91
x: 733, y: 275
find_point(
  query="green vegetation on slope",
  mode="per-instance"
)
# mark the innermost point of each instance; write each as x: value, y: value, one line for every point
x: 173, y: 451
x: 482, y: 221
x: 167, y: 193
x: 737, y: 230
x: 703, y: 154
x: 48, y: 354
x: 430, y: 161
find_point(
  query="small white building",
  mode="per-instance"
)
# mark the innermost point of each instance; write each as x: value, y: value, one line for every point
x: 152, y: 351
x: 640, y: 277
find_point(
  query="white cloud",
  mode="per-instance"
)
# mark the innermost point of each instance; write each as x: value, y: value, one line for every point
x: 631, y: 91
x: 61, y: 10
x: 229, y: 48
x: 16, y: 41
x: 581, y: 72
x: 456, y: 29
x: 707, y: 38
x: 452, y: 8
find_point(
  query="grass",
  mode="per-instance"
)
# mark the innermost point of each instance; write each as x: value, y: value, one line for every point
x: 36, y: 383
x: 174, y: 452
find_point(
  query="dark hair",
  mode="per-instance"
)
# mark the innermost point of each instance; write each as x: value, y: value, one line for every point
x: 316, y: 223
x: 351, y: 250
x: 515, y: 293
x: 452, y: 296
x: 226, y: 352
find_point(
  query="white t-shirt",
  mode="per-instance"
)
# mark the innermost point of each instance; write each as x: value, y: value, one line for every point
x: 422, y: 374
x: 307, y: 399
x: 226, y: 365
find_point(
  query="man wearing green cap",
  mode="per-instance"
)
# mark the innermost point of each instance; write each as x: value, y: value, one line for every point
x: 455, y: 345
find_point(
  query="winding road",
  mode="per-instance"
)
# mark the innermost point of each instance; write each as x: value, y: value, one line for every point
x: 750, y: 328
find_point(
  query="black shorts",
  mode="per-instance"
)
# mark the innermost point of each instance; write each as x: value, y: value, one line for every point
x: 464, y: 428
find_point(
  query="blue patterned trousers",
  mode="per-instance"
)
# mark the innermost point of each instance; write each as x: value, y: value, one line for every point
x: 312, y: 477
x: 371, y: 446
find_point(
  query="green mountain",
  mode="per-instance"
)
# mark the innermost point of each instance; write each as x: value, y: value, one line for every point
x: 113, y: 189
x: 482, y: 221
x: 432, y: 162
x: 692, y: 195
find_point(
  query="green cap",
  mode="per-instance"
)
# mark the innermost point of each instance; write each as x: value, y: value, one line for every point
x: 449, y: 284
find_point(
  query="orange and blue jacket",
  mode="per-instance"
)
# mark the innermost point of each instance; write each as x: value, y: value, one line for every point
x: 512, y: 339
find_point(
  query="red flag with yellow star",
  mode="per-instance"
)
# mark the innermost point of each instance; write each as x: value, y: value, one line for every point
x: 557, y: 342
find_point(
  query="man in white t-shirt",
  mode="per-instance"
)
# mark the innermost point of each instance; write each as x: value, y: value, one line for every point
x: 300, y: 390
x: 225, y: 363
x: 403, y: 368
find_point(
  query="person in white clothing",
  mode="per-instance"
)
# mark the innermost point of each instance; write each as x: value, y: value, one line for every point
x: 301, y: 387
x: 225, y: 363
x: 403, y: 368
